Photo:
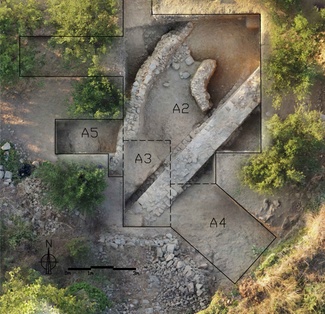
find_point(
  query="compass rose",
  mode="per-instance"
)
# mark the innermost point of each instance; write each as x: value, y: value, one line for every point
x: 48, y: 262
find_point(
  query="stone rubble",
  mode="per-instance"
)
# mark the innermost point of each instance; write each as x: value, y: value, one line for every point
x: 180, y: 281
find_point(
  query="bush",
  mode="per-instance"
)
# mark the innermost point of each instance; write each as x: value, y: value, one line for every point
x: 96, y: 97
x: 94, y: 294
x: 29, y: 293
x: 72, y: 186
x: 293, y: 156
x: 16, y: 18
x: 78, y: 248
x: 292, y: 66
x: 93, y: 20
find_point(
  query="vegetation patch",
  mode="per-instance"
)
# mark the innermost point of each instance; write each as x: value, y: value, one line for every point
x: 291, y: 281
x: 297, y: 143
x: 72, y: 186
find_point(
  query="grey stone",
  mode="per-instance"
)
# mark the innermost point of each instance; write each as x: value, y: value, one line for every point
x: 113, y: 245
x: 169, y: 257
x: 171, y: 248
x: 8, y: 175
x: 176, y: 66
x: 190, y: 287
x: 159, y: 252
x: 203, y: 266
x: 185, y: 75
x: 189, y: 60
x: 169, y: 236
x: 180, y: 264
x: 2, y: 173
x: 6, y: 146
x: 36, y: 164
x: 1, y: 167
x: 166, y: 84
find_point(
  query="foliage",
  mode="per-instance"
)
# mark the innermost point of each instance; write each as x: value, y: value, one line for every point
x: 96, y: 97
x: 292, y: 65
x: 30, y: 294
x: 72, y: 186
x: 93, y: 294
x: 287, y: 6
x: 292, y: 281
x: 18, y: 233
x: 293, y: 156
x: 17, y: 18
x: 84, y: 26
x: 10, y: 159
x: 78, y: 248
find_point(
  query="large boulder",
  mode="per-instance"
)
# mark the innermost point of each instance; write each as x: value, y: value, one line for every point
x: 200, y: 82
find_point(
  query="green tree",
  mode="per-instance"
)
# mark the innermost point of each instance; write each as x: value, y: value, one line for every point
x: 91, y: 20
x: 293, y: 156
x: 96, y: 97
x: 72, y: 186
x: 17, y: 18
x: 292, y: 66
x: 28, y: 293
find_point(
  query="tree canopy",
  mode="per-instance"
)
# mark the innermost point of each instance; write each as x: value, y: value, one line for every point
x: 72, y: 186
x: 296, y: 143
x: 17, y: 18
x: 28, y: 293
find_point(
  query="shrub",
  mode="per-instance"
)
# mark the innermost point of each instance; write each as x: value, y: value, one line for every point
x: 96, y: 97
x: 292, y: 66
x: 29, y: 293
x: 92, y: 20
x: 94, y: 294
x: 293, y: 155
x: 78, y: 248
x: 72, y: 186
x: 16, y: 18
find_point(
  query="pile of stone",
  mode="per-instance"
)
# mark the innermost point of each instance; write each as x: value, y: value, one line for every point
x: 5, y: 174
x: 180, y: 281
x: 44, y: 219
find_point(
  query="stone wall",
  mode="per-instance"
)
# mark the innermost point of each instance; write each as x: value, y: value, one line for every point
x: 146, y: 76
x: 199, y: 84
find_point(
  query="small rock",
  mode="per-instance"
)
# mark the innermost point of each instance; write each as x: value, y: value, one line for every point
x: 189, y: 60
x: 180, y: 264
x: 36, y: 164
x: 2, y: 173
x: 166, y: 84
x: 169, y: 236
x: 159, y: 252
x: 203, y: 266
x: 169, y: 257
x: 6, y: 146
x: 113, y: 245
x: 185, y: 75
x: 322, y: 117
x: 276, y: 203
x: 145, y: 302
x: 175, y: 66
x: 8, y: 175
x: 171, y: 248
